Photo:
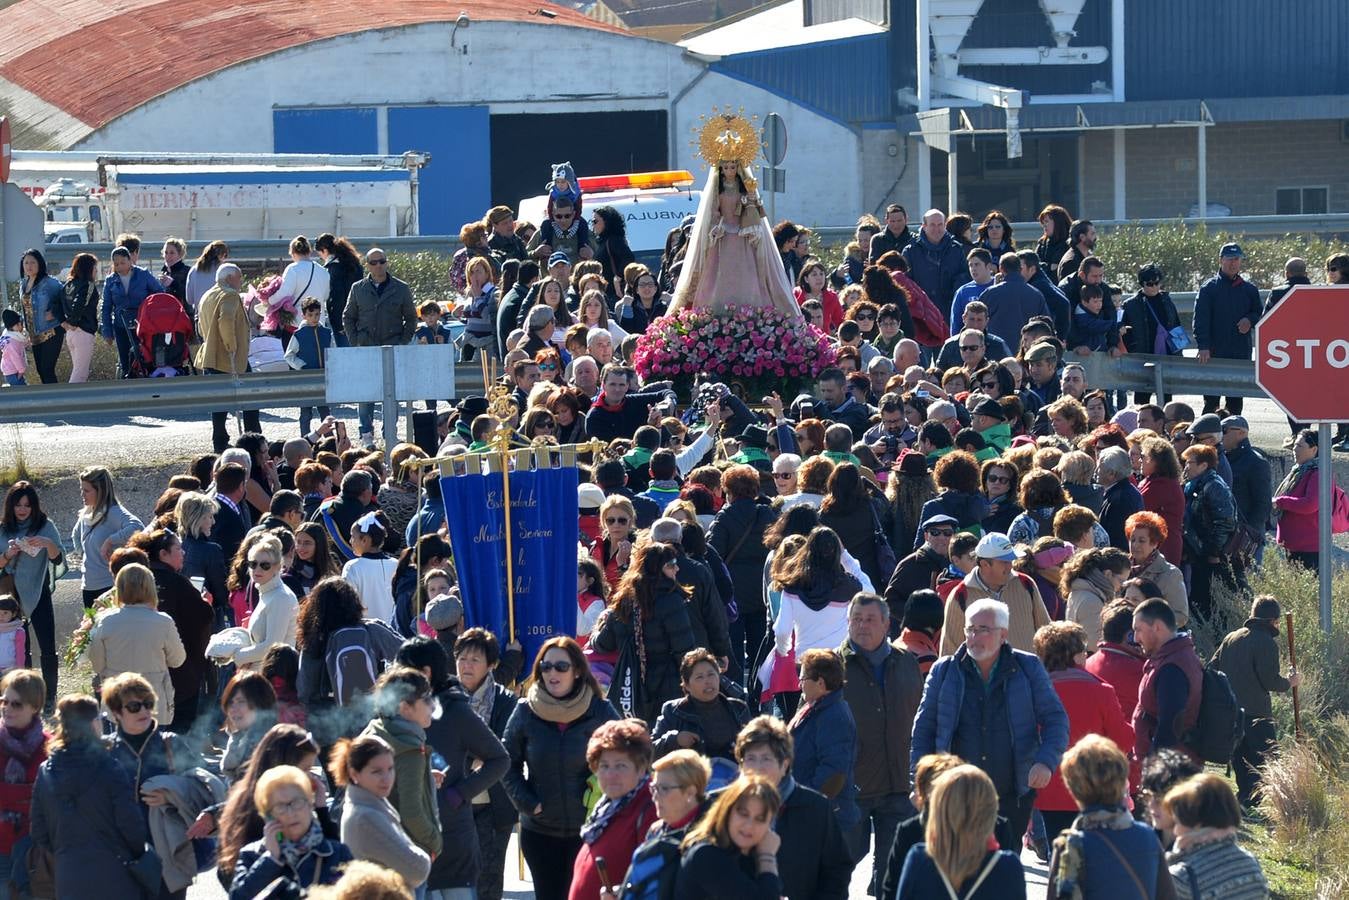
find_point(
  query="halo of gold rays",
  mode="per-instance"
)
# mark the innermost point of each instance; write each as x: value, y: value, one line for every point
x: 727, y: 135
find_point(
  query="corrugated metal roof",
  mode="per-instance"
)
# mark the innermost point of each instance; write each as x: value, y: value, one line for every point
x: 98, y: 59
x: 1238, y: 48
x: 844, y: 80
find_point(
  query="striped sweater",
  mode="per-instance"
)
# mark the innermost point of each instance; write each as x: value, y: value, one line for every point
x: 1218, y: 870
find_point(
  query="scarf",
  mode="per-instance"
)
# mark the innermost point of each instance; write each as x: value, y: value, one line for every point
x: 1101, y: 582
x: 20, y: 747
x: 559, y: 712
x: 1192, y: 840
x: 1138, y: 570
x: 875, y: 658
x: 1290, y: 481
x: 294, y: 852
x: 483, y: 699
x: 606, y: 810
x: 1071, y: 865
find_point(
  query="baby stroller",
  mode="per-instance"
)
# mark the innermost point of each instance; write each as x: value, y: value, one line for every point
x: 163, y: 339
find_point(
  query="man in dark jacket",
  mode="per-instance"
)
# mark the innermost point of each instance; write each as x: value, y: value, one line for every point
x: 1249, y: 657
x: 895, y: 236
x: 379, y: 312
x: 737, y: 536
x: 813, y: 859
x: 1121, y: 499
x: 508, y: 312
x: 617, y: 413
x: 338, y: 514
x: 996, y: 708
x: 1059, y: 307
x: 936, y: 261
x: 883, y: 687
x: 1082, y: 243
x: 1171, y: 687
x: 1012, y: 303
x: 960, y: 350
x: 1251, y: 477
x: 841, y: 405
x: 921, y: 568
x: 1227, y: 308
x: 707, y: 612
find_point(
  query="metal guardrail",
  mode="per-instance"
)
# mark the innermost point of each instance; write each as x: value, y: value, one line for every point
x: 258, y: 249
x: 1253, y: 226
x: 1171, y: 374
x: 200, y: 394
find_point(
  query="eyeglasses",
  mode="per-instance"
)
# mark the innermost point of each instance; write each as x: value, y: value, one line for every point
x: 866, y: 316
x: 548, y: 666
x: 662, y: 789
x: 545, y: 425
x: 563, y: 217
x: 376, y: 262
x: 783, y: 476
x: 299, y: 804
x: 547, y: 367
x: 992, y: 384
x: 135, y: 706
x: 942, y: 532
x: 262, y: 564
x: 971, y: 348
x: 999, y: 479
x: 616, y: 520
x: 1153, y: 283
x: 980, y: 630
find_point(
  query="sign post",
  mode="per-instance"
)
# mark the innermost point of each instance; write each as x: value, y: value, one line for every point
x: 774, y: 136
x: 1302, y: 363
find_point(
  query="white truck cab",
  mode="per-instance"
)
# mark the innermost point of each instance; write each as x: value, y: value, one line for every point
x: 652, y: 203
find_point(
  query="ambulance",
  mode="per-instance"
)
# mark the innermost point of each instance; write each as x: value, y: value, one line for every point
x: 652, y: 203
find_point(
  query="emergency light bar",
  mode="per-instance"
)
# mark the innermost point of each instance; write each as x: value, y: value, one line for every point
x: 600, y: 183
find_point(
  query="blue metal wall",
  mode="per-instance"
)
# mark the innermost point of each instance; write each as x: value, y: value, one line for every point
x: 340, y: 130
x: 1236, y: 48
x: 846, y: 80
x: 456, y: 186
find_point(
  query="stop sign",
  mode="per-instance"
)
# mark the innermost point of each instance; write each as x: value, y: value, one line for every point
x: 1302, y: 353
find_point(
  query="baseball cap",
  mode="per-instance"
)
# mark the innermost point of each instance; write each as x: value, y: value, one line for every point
x: 1230, y: 250
x: 1236, y: 422
x: 444, y: 612
x: 996, y: 546
x: 558, y: 257
x: 1205, y: 424
x: 939, y: 519
x: 589, y: 496
x: 1041, y: 350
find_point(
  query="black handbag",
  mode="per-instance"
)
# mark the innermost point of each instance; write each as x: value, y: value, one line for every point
x: 627, y: 689
x: 148, y: 870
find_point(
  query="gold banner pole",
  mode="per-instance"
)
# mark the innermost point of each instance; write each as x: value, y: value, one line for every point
x: 503, y: 409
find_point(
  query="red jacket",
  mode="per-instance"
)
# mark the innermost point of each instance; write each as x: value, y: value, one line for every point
x: 616, y: 844
x: 1121, y: 667
x: 1164, y: 497
x: 16, y: 800
x: 1179, y: 652
x: 1296, y: 530
x: 1092, y: 709
x: 833, y: 310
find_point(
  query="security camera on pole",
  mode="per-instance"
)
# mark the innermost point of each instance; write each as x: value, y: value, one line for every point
x: 1302, y: 363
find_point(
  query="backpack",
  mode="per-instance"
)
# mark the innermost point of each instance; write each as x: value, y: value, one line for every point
x: 352, y: 663
x: 1220, y: 723
x: 651, y: 875
x: 1339, y: 510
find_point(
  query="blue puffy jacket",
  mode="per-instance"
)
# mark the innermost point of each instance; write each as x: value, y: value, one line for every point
x: 1036, y: 718
x: 122, y: 304
x: 1221, y: 304
x: 825, y: 741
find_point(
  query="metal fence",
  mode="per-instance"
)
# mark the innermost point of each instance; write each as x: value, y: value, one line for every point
x: 201, y: 394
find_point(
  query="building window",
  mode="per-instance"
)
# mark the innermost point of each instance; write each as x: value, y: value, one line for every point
x: 1301, y: 201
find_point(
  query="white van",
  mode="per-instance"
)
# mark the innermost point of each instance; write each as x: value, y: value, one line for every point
x: 652, y: 203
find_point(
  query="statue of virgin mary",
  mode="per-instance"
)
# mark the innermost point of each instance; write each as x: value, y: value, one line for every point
x: 731, y: 259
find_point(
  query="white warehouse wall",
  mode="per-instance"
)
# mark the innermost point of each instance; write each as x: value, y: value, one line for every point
x: 231, y: 110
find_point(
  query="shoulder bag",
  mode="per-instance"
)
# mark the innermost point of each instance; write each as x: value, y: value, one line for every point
x: 1176, y: 338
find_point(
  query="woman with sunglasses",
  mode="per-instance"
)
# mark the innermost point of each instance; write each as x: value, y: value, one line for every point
x: 1150, y: 314
x: 550, y: 366
x: 1000, y: 481
x: 273, y: 619
x: 547, y: 736
x: 614, y: 549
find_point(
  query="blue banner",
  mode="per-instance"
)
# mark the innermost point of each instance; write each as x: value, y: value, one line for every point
x: 544, y: 536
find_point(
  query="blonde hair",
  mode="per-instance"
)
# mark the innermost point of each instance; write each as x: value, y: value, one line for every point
x: 1075, y: 467
x: 100, y: 479
x: 192, y: 509
x: 623, y: 505
x: 929, y: 769
x: 135, y: 586
x: 279, y: 776
x: 475, y: 264
x: 1096, y: 772
x: 688, y: 767
x: 961, y: 815
x: 363, y: 880
x: 268, y: 545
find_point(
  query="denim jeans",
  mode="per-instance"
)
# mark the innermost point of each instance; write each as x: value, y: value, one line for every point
x: 881, y: 815
x: 15, y: 381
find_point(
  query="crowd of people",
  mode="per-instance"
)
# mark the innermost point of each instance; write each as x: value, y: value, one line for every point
x: 937, y: 610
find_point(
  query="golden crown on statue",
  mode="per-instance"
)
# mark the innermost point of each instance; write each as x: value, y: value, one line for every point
x: 726, y: 136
